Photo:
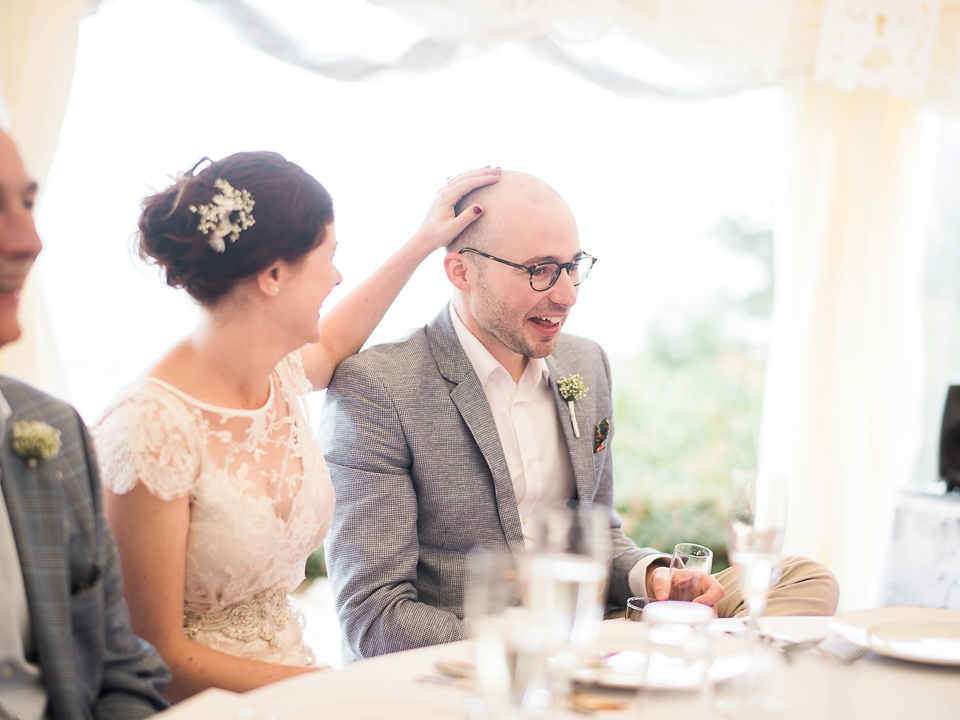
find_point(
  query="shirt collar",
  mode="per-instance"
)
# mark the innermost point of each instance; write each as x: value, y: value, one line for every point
x: 485, y: 364
x: 5, y: 412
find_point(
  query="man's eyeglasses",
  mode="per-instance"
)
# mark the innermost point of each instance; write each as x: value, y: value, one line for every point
x: 543, y: 276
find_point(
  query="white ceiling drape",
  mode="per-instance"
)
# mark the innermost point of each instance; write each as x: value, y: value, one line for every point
x: 842, y: 402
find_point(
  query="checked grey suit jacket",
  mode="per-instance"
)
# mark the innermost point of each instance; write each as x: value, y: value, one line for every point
x: 92, y: 664
x: 421, y: 479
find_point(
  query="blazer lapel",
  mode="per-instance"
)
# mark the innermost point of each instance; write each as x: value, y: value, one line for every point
x: 33, y: 502
x: 471, y: 402
x: 580, y: 448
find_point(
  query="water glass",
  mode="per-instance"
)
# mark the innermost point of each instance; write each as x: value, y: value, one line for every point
x: 509, y: 647
x: 688, y: 566
x: 635, y: 607
x: 568, y: 573
x: 678, y: 647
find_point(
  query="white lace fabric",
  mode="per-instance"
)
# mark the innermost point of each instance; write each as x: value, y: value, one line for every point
x: 261, y: 501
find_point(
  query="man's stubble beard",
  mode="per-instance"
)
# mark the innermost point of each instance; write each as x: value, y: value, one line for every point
x: 493, y: 319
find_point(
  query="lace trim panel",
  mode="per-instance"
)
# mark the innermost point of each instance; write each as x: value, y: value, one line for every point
x: 262, y: 616
x: 878, y: 44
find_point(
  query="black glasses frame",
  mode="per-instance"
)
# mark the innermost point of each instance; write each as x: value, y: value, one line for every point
x: 532, y: 268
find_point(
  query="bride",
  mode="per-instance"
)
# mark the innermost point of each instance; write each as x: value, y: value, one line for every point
x: 215, y: 487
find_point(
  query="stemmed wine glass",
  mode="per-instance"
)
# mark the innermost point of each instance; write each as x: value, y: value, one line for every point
x: 756, y: 522
x: 755, y: 525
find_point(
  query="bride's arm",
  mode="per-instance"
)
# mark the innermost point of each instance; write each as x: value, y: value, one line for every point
x: 152, y: 538
x: 346, y: 326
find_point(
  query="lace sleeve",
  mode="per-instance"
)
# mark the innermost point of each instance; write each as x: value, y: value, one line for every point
x: 292, y: 374
x: 144, y: 438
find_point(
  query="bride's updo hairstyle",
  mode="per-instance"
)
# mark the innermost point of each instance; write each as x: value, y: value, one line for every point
x: 290, y: 211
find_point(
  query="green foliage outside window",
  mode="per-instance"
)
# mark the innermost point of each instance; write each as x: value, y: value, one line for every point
x: 687, y: 412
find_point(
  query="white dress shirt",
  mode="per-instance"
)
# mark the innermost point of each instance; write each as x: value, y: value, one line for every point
x: 525, y: 414
x: 526, y: 417
x: 21, y: 688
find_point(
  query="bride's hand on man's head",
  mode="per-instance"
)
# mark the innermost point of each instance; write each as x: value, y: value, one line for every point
x: 442, y: 224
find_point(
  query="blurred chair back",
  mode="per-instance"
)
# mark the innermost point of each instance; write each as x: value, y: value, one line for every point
x: 950, y: 439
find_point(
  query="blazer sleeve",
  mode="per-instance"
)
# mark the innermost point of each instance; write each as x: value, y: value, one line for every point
x: 134, y: 675
x: 373, y: 546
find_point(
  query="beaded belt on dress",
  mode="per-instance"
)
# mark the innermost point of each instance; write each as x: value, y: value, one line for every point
x: 262, y: 616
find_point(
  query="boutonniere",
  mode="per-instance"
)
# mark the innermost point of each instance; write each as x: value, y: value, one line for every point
x: 35, y: 440
x: 572, y: 388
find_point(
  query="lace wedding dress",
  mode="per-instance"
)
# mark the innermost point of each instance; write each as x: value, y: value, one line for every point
x: 261, y: 501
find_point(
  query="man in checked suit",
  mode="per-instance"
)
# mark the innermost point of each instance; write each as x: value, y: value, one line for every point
x: 455, y: 436
x: 66, y: 647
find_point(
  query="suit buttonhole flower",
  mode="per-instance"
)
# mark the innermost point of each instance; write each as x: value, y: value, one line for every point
x: 572, y: 388
x: 35, y: 440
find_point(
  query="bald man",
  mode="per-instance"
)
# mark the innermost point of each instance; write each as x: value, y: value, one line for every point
x: 456, y: 436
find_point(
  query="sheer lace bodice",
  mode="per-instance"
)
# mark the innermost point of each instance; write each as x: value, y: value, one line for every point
x: 261, y: 501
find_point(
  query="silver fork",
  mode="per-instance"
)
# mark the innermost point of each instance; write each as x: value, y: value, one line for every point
x: 855, y: 654
x: 842, y: 651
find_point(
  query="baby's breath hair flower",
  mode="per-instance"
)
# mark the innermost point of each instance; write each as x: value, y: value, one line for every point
x: 228, y: 214
x: 572, y: 388
x: 35, y: 440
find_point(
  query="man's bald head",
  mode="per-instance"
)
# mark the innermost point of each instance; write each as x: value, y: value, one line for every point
x: 512, y: 187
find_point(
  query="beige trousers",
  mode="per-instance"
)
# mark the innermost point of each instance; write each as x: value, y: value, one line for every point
x: 805, y: 587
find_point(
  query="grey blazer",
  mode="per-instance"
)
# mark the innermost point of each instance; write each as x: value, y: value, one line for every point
x: 92, y: 664
x: 421, y: 479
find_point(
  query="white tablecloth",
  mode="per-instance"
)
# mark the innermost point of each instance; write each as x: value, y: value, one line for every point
x: 814, y: 687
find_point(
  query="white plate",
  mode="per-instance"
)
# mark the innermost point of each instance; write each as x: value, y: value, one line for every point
x: 927, y: 635
x: 623, y: 670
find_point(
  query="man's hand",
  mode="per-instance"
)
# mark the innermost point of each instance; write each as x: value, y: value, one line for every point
x: 709, y: 591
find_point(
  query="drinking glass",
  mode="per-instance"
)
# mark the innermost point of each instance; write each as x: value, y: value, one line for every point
x: 678, y: 651
x: 755, y: 527
x: 567, y: 584
x: 509, y: 647
x: 635, y: 607
x: 568, y: 573
x: 688, y: 566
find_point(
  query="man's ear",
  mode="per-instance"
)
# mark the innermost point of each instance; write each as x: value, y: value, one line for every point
x: 271, y: 278
x: 458, y: 270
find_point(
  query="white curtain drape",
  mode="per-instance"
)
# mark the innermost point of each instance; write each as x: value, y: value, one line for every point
x: 38, y: 45
x: 842, y: 402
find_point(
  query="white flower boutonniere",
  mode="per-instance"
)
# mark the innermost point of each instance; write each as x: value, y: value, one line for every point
x: 35, y: 440
x: 572, y: 388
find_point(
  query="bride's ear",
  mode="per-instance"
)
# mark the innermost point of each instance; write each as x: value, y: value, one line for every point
x: 271, y: 278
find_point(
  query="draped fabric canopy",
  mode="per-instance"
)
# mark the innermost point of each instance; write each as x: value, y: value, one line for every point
x: 842, y: 399
x: 909, y: 48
